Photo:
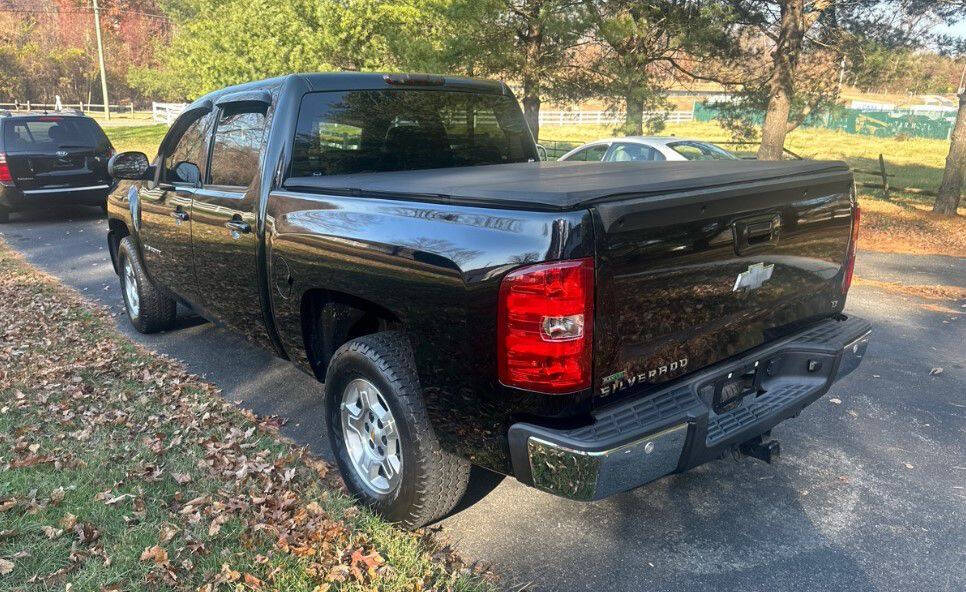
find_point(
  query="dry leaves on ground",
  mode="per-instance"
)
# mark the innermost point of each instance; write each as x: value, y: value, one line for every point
x: 249, y: 507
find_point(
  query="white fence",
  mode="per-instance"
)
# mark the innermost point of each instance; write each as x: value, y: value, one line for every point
x: 578, y: 117
x: 94, y: 108
x: 166, y: 112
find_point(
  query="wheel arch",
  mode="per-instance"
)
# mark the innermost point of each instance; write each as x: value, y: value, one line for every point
x: 117, y: 230
x: 330, y: 319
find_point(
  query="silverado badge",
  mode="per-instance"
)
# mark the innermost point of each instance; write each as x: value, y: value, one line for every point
x: 757, y: 274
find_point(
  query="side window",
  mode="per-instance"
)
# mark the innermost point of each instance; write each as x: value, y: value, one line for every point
x: 633, y: 152
x: 591, y: 153
x: 238, y: 139
x: 183, y: 163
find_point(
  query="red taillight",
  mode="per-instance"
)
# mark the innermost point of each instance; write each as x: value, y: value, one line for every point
x: 850, y: 260
x: 545, y: 326
x: 5, y: 176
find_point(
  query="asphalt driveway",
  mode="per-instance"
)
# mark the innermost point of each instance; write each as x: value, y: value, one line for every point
x: 868, y: 495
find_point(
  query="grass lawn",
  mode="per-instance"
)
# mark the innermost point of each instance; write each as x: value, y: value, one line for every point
x: 120, y: 471
x: 142, y: 138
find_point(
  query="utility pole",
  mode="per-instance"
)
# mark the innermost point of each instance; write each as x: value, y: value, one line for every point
x: 100, y: 59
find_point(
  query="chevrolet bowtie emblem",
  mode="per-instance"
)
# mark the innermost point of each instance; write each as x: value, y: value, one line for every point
x: 757, y: 274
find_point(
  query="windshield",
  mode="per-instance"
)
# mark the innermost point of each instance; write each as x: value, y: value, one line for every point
x: 701, y: 151
x: 49, y: 133
x: 398, y: 130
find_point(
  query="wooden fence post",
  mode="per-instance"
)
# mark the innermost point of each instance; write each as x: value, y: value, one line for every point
x: 885, y: 177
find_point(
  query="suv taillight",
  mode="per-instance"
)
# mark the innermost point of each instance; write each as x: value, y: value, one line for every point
x: 5, y: 176
x: 850, y: 261
x: 545, y: 326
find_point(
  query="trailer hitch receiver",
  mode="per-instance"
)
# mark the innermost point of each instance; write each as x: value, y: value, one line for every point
x: 764, y: 451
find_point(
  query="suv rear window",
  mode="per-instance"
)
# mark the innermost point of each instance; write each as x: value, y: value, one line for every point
x: 398, y: 130
x: 48, y: 133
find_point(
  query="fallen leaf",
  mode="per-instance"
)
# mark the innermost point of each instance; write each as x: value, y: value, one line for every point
x: 157, y: 554
x: 181, y: 478
x: 6, y: 567
x: 167, y: 532
x: 57, y: 495
x: 68, y: 521
x: 908, y: 466
x: 86, y: 532
x: 935, y: 371
x: 835, y: 401
x: 252, y: 581
x: 215, y: 526
x: 51, y: 532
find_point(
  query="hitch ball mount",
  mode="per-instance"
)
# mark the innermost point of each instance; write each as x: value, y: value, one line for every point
x: 758, y: 448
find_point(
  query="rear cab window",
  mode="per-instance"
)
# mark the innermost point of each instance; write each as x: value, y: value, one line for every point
x: 396, y: 130
x: 46, y: 134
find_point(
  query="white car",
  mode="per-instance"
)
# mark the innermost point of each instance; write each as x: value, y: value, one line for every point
x: 643, y: 148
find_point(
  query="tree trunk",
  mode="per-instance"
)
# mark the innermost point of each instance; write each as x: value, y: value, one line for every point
x: 775, y: 128
x: 951, y: 189
x: 531, y: 112
x: 634, y: 118
x: 781, y: 85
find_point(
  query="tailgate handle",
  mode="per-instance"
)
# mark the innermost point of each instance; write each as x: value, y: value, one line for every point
x: 759, y: 232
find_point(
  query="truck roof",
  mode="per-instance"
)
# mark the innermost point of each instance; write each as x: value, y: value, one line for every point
x: 562, y: 185
x: 332, y: 81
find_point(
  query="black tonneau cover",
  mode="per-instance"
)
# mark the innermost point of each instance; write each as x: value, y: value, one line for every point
x: 559, y: 185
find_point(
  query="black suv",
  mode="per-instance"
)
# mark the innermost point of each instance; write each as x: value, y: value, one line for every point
x: 52, y: 158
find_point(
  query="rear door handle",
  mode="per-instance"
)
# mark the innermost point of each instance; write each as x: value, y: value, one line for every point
x: 238, y: 226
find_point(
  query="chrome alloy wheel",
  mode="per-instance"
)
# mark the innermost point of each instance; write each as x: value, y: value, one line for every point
x: 131, y: 290
x: 370, y: 435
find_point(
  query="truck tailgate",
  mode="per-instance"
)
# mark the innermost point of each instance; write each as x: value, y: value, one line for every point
x: 690, y: 278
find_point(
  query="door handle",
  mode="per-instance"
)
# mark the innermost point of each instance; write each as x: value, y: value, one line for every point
x: 238, y: 226
x: 180, y: 215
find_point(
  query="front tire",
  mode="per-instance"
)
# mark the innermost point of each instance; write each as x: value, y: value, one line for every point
x: 381, y: 436
x: 148, y: 309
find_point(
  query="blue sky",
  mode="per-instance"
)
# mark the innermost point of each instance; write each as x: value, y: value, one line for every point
x: 958, y: 30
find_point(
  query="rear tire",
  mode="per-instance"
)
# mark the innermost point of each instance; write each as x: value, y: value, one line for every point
x: 148, y: 309
x: 429, y: 481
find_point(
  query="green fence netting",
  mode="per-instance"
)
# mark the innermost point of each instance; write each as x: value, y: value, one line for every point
x: 884, y: 124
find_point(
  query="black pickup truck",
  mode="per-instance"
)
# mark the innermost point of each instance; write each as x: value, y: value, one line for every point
x: 585, y: 327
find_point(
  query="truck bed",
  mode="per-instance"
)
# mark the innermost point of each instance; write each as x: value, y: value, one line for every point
x: 564, y: 185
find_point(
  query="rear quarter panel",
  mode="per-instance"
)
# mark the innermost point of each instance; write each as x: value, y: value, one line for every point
x: 437, y: 269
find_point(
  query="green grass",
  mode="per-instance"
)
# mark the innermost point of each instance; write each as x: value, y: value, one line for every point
x: 103, y: 446
x: 141, y: 138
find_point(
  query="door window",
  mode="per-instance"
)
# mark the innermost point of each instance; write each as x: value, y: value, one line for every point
x: 591, y: 153
x: 183, y: 163
x: 624, y: 152
x: 238, y: 139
